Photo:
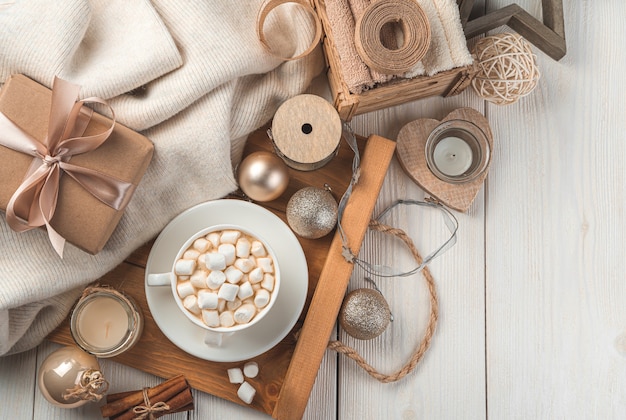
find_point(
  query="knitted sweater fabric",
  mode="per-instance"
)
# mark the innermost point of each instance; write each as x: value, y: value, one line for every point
x: 204, y: 82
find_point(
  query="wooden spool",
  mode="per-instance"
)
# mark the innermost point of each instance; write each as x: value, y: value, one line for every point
x: 306, y: 131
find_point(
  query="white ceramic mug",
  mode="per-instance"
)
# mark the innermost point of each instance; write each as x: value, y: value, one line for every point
x: 215, y: 335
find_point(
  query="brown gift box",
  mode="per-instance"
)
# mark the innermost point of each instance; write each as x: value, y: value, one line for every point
x: 80, y: 218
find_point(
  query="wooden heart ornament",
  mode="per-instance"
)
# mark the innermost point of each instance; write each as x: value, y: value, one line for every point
x: 411, y: 153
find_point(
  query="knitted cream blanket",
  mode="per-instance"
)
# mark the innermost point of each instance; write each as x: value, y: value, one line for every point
x: 208, y: 83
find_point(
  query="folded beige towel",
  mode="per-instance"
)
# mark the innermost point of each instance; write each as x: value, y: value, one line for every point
x: 342, y: 23
x: 448, y: 46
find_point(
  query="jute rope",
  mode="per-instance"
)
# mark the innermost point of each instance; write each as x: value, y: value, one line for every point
x: 92, y: 387
x: 506, y: 68
x: 419, y: 352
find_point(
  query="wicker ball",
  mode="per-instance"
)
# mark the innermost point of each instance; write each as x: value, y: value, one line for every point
x: 507, y: 68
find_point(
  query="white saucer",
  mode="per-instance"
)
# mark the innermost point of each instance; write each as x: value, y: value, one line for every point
x: 274, y: 326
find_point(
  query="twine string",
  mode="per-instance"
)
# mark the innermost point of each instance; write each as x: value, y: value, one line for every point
x: 451, y: 222
x: 449, y: 219
x: 419, y: 352
x: 91, y: 387
x: 507, y: 69
x: 147, y: 410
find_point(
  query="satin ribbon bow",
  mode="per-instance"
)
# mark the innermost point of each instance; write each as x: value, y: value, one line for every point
x: 37, y: 195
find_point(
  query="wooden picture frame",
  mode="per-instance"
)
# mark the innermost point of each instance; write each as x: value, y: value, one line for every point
x: 548, y: 36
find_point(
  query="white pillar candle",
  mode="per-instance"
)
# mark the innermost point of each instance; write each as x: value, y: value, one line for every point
x: 452, y: 156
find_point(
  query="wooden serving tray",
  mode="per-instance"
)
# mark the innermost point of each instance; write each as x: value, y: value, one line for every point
x: 289, y: 369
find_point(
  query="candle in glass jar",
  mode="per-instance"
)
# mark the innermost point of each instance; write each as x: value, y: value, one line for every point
x: 105, y: 322
x: 452, y: 156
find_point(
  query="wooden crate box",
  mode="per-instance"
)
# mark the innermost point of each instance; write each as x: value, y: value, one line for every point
x: 395, y: 92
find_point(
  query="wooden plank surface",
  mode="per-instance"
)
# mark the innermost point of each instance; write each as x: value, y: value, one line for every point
x: 532, y: 296
x: 556, y: 294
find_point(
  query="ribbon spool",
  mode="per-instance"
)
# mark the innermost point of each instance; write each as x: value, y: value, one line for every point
x: 415, y: 29
x: 306, y: 132
x: 268, y: 7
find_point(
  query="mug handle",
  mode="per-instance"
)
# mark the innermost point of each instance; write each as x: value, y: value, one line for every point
x: 215, y: 339
x: 161, y: 279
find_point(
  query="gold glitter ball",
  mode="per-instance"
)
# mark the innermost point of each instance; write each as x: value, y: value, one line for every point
x: 312, y: 212
x: 364, y: 314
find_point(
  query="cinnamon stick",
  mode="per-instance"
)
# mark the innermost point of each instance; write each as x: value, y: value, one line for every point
x: 178, y: 383
x: 119, y: 395
x: 183, y: 401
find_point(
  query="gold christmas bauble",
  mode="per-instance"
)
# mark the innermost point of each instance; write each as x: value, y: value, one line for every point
x: 364, y: 314
x: 263, y: 176
x: 312, y: 212
x: 62, y: 371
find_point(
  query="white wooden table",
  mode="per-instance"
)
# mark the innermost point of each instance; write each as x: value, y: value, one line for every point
x: 533, y: 295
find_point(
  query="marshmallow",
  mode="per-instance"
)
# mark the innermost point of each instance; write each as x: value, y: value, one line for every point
x: 221, y: 305
x: 262, y: 298
x: 228, y: 250
x: 198, y: 279
x: 244, y: 264
x: 230, y: 236
x: 245, y: 290
x: 257, y: 249
x: 266, y: 264
x: 244, y: 313
x: 246, y: 392
x: 235, y: 376
x: 207, y: 300
x: 215, y: 261
x: 227, y: 319
x: 268, y: 282
x: 256, y: 275
x: 201, y: 245
x: 214, y: 238
x: 243, y: 248
x: 234, y: 304
x: 191, y: 254
x: 185, y: 267
x: 233, y: 275
x: 201, y: 262
x: 211, y: 318
x: 251, y: 369
x: 215, y: 279
x: 185, y: 289
x: 191, y: 303
x: 228, y: 291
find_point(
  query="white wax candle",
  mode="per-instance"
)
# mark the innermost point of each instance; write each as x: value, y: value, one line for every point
x: 103, y: 322
x: 452, y: 156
